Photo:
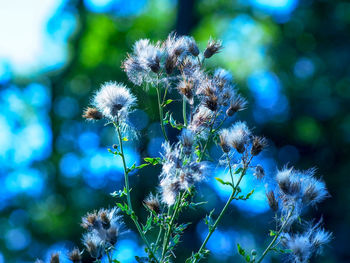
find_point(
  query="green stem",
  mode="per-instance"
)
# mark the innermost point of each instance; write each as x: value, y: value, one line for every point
x: 230, y: 167
x: 109, y: 257
x: 184, y: 110
x: 160, y: 107
x: 167, y: 236
x: 232, y: 196
x: 126, y: 176
x: 276, y: 236
x: 209, y: 137
x: 158, y: 237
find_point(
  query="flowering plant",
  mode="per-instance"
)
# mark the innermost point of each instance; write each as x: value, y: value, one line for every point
x: 208, y: 102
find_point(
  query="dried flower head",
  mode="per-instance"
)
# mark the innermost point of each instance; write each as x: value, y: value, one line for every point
x: 135, y: 72
x: 148, y: 55
x: 300, y: 246
x: 258, y: 144
x: 93, y: 244
x: 210, y: 99
x: 144, y: 61
x: 75, y: 255
x: 152, y: 202
x: 114, y: 100
x: 55, y: 258
x: 239, y: 136
x: 90, y: 221
x: 201, y: 120
x: 186, y: 88
x: 259, y: 172
x: 92, y: 114
x: 237, y: 103
x: 319, y: 237
x: 288, y: 182
x: 213, y: 47
x: 192, y: 46
x: 304, y: 245
x: 222, y: 77
x: 104, y: 228
x: 224, y: 136
x: 187, y: 140
x: 273, y: 203
x: 313, y: 190
x: 170, y: 187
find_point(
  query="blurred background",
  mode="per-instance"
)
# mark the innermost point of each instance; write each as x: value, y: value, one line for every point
x: 290, y: 59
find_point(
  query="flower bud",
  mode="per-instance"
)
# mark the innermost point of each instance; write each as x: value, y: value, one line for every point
x: 92, y: 114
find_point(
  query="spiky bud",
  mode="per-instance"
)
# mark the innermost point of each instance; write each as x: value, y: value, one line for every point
x: 238, y: 103
x: 259, y: 143
x: 224, y: 140
x: 213, y: 47
x: 92, y: 114
x: 170, y: 64
x: 55, y: 258
x: 75, y: 255
x: 273, y: 203
x: 259, y: 172
x: 152, y: 202
x: 186, y: 89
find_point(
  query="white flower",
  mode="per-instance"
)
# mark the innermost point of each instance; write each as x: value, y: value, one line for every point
x: 114, y: 100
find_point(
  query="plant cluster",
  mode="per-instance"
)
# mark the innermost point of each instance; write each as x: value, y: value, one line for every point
x: 209, y: 99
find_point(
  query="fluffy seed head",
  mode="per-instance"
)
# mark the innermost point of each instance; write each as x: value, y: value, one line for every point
x: 313, y: 190
x: 320, y: 237
x: 186, y: 88
x: 300, y: 245
x: 187, y: 140
x: 93, y: 244
x: 90, y: 221
x: 192, y: 46
x: 201, y: 119
x: 134, y: 70
x: 147, y: 55
x: 213, y: 47
x: 239, y: 134
x: 288, y: 182
x: 170, y: 187
x: 222, y: 77
x: 114, y: 100
x: 152, y: 202
x: 104, y: 226
x: 224, y: 136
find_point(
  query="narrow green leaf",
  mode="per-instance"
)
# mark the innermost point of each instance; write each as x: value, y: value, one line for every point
x: 167, y: 102
x: 241, y: 251
x: 238, y: 170
x: 222, y: 181
x: 153, y: 161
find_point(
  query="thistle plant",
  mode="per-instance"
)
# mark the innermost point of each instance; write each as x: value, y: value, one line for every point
x: 209, y: 100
